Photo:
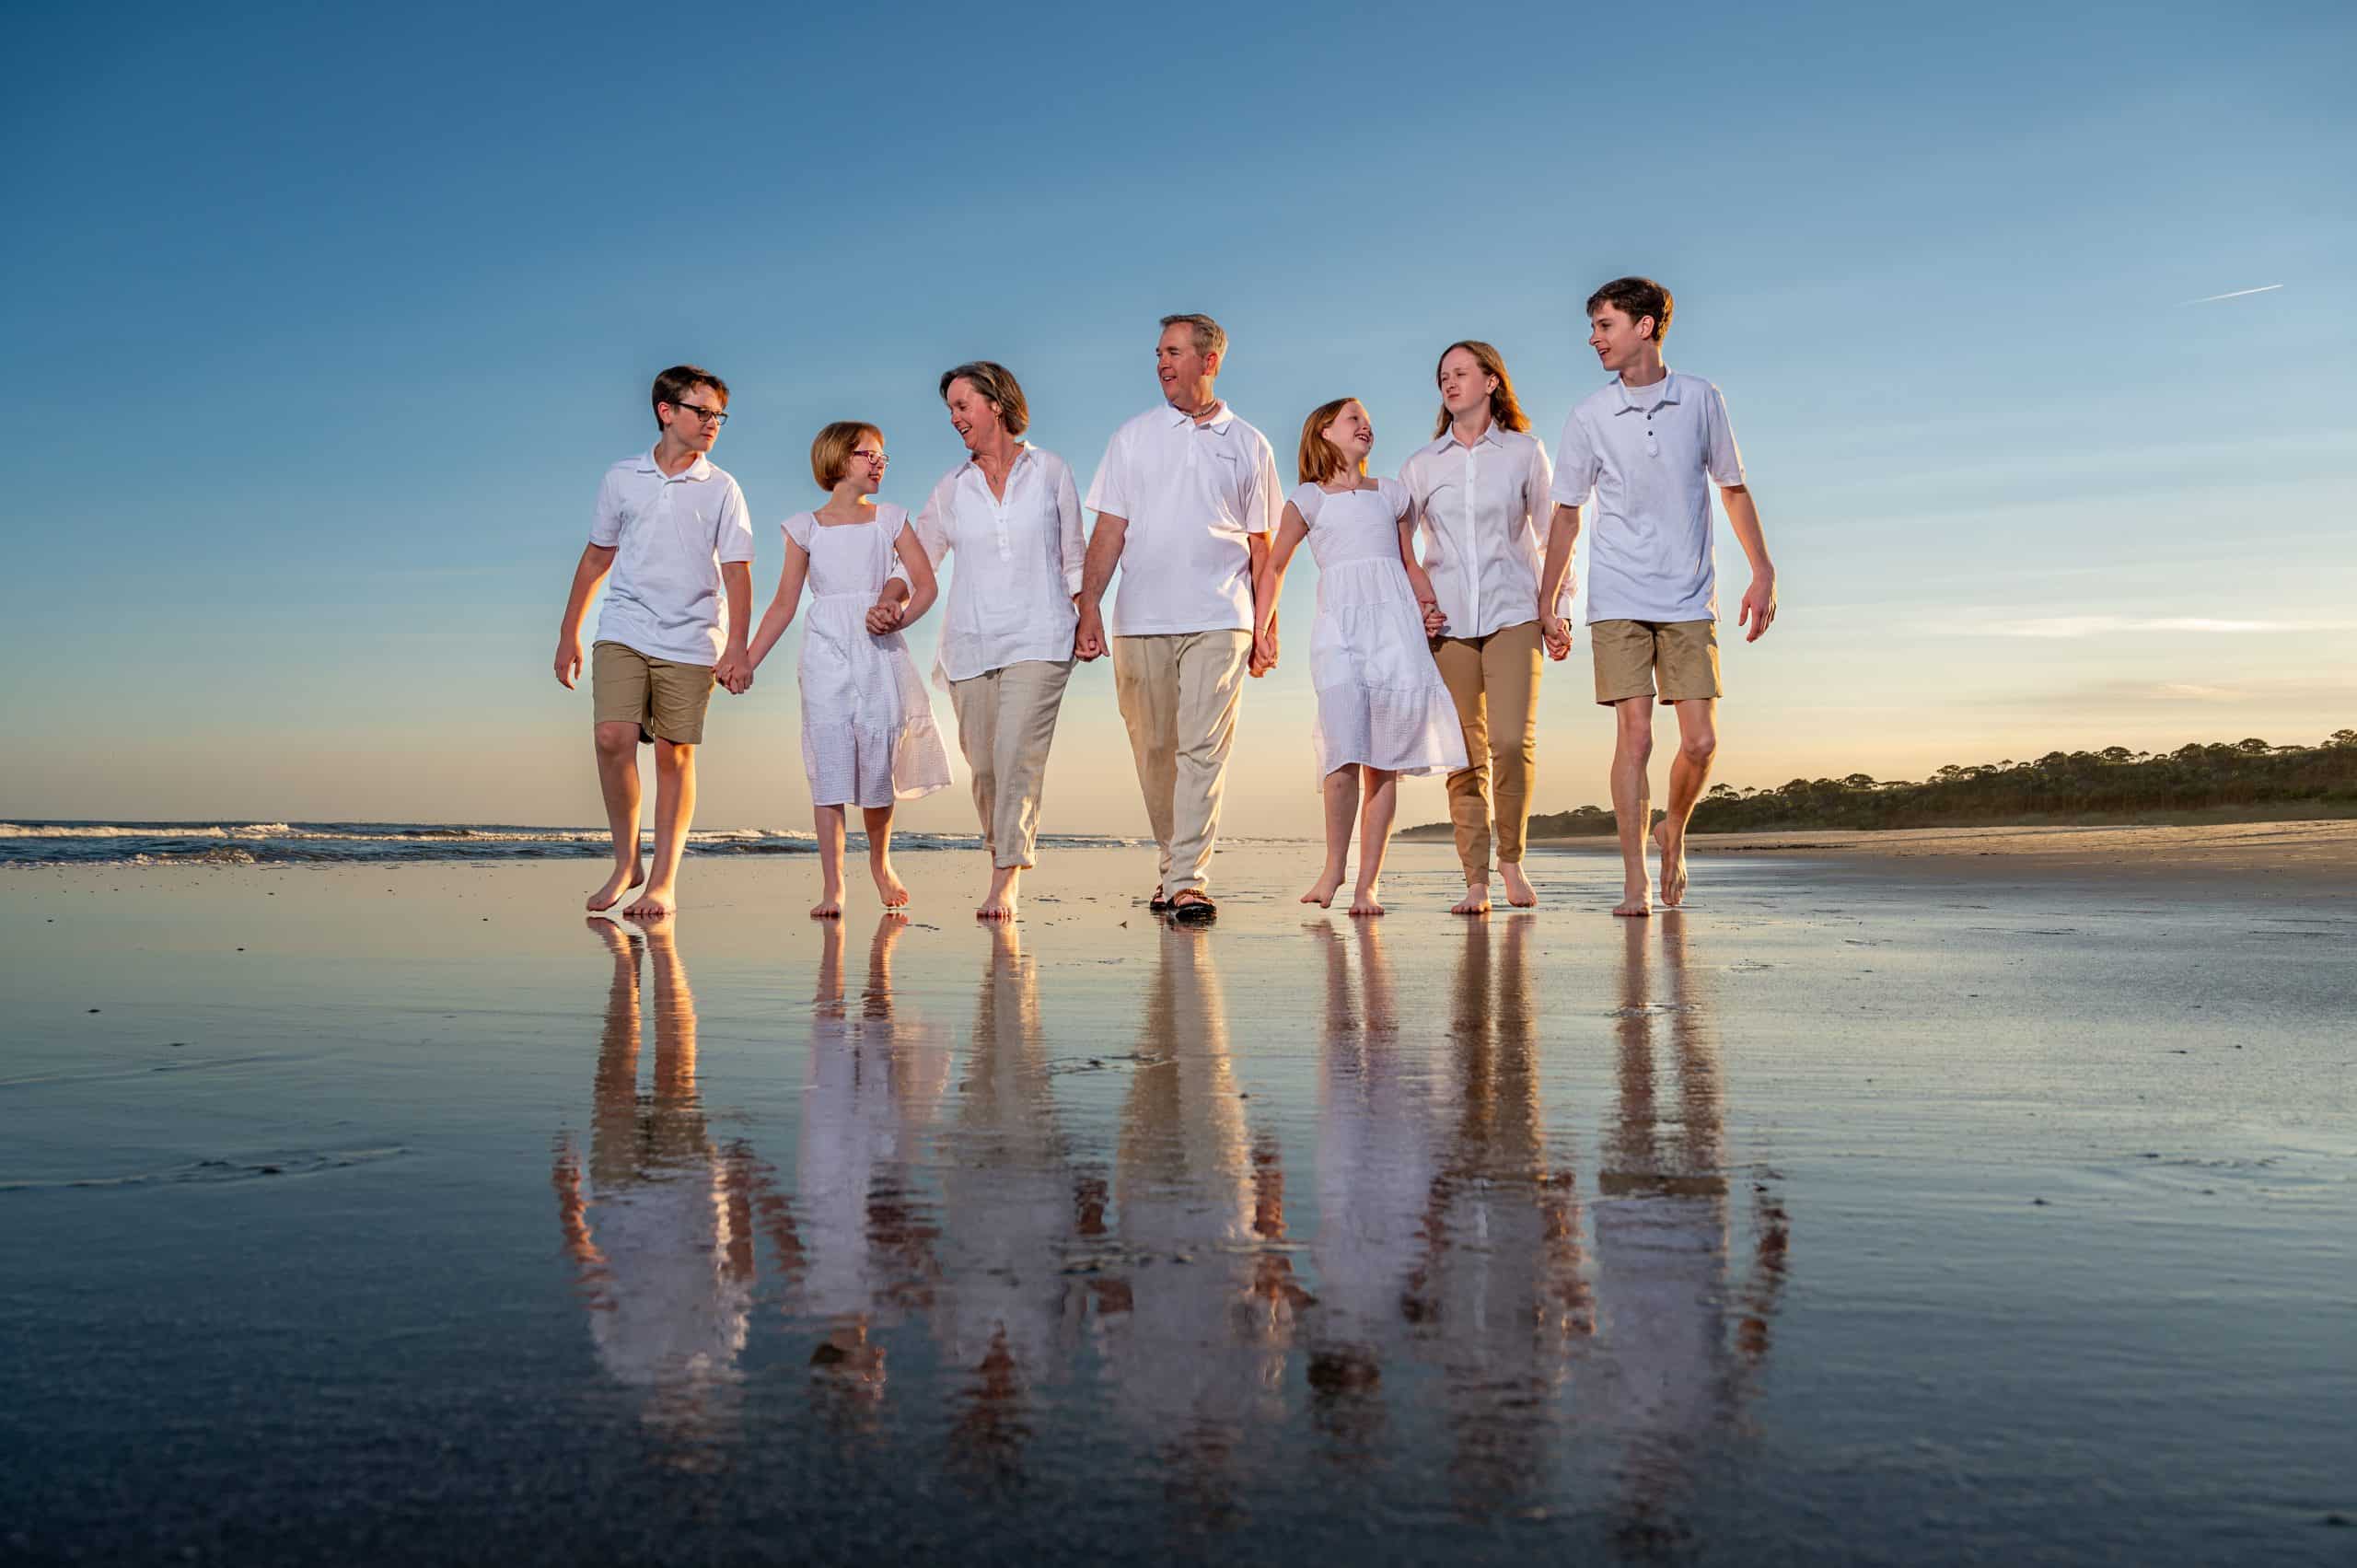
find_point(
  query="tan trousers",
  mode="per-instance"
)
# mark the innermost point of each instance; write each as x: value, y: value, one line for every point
x: 1006, y: 721
x: 1495, y: 681
x: 1178, y: 695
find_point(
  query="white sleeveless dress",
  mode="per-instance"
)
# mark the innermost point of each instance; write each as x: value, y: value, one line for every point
x: 1380, y: 700
x: 868, y: 735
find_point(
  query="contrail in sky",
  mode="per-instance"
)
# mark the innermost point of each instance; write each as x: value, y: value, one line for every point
x: 2207, y: 298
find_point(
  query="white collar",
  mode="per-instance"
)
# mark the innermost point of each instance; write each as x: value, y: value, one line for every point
x: 1221, y: 415
x: 699, y: 469
x: 1662, y: 391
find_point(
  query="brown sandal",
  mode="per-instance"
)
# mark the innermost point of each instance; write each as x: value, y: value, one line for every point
x: 1193, y: 907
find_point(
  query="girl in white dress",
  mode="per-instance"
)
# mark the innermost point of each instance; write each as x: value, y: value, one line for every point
x: 1382, y: 710
x: 868, y: 737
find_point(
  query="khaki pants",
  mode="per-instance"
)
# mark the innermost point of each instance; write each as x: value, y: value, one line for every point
x: 1178, y: 695
x: 1006, y: 720
x: 1495, y: 681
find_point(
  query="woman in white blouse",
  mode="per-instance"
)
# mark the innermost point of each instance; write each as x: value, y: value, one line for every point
x: 1011, y: 514
x: 1479, y: 495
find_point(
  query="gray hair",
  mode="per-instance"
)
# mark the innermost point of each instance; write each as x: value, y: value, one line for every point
x: 1210, y: 336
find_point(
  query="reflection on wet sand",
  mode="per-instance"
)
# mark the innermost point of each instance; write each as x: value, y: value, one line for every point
x: 1195, y: 1318
x: 1381, y: 1111
x: 1503, y: 1288
x: 1012, y: 1200
x: 1675, y: 1376
x: 660, y: 1221
x: 872, y: 1084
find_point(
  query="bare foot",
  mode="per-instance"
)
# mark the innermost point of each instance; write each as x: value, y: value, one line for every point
x: 1476, y: 900
x: 1636, y: 903
x: 887, y: 887
x: 1673, y: 865
x: 999, y: 903
x: 653, y: 903
x: 1363, y: 901
x: 1519, y: 892
x: 1321, y: 892
x: 624, y: 878
x: 830, y: 905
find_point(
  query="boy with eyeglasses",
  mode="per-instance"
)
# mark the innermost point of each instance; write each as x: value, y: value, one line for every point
x: 673, y: 531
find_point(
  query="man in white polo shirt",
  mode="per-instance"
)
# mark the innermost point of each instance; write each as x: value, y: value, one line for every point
x: 1648, y: 448
x: 673, y: 531
x: 1185, y: 501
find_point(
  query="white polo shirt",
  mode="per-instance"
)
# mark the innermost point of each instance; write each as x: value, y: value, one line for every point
x: 1019, y: 563
x: 1650, y: 456
x: 1481, y: 512
x: 1192, y: 493
x: 669, y: 535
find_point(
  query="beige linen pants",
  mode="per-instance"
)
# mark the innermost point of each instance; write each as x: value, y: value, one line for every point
x: 1178, y: 695
x: 1006, y: 720
x: 1495, y: 681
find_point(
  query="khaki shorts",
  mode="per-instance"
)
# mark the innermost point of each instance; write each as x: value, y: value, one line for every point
x: 664, y: 698
x: 1629, y: 655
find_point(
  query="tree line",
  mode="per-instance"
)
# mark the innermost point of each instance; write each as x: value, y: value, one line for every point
x: 2114, y: 783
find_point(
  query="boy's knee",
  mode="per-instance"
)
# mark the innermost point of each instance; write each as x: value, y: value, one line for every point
x: 616, y: 740
x: 1699, y: 748
x: 674, y: 756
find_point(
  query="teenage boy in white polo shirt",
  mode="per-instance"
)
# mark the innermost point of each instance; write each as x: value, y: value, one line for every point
x: 1648, y: 447
x: 1185, y: 500
x: 673, y: 530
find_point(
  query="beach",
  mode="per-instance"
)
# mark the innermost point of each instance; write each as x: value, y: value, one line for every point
x: 1975, y: 1197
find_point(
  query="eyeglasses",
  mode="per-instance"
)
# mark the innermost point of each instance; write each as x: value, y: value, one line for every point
x: 870, y: 454
x: 709, y: 415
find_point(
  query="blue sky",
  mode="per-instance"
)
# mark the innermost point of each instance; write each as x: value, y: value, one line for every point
x: 329, y: 321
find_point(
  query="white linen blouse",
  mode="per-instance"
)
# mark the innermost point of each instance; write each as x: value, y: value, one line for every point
x: 1482, y: 516
x: 1018, y: 564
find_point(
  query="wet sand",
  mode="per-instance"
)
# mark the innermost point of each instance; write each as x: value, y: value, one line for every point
x: 1843, y: 1217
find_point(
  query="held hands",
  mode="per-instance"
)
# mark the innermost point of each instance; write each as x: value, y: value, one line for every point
x: 1556, y: 632
x: 1434, y: 621
x: 735, y: 672
x: 885, y: 615
x: 568, y: 660
x: 1089, y: 637
x: 1759, y: 610
x: 1263, y: 656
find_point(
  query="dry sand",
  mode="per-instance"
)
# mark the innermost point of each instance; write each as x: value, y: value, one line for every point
x: 2325, y: 850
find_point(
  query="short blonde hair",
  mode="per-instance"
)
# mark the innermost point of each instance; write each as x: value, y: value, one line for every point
x: 994, y: 383
x: 1320, y: 459
x: 830, y: 453
x: 1210, y: 336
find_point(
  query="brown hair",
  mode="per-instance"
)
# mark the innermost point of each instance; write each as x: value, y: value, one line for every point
x: 994, y: 383
x: 1637, y: 298
x: 1506, y: 409
x: 830, y: 453
x: 1210, y: 336
x: 1320, y: 459
x: 679, y: 381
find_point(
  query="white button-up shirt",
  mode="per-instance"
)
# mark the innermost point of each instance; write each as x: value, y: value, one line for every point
x: 1481, y: 512
x: 1650, y: 456
x: 669, y: 534
x: 1018, y: 564
x: 1192, y: 495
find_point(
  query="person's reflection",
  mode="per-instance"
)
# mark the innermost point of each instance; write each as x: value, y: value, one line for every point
x: 1196, y: 1331
x: 1674, y: 1372
x: 872, y: 1084
x: 1503, y: 1284
x: 661, y: 1222
x: 1379, y: 1136
x: 1009, y: 1314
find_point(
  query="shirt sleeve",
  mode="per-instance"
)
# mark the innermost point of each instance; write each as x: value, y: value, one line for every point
x: 1306, y: 498
x: 1109, y: 490
x: 1074, y: 537
x: 1720, y: 458
x: 798, y: 529
x: 1395, y: 496
x: 933, y: 523
x: 892, y: 520
x: 734, y: 538
x: 1575, y: 465
x: 606, y: 522
x: 1264, y: 495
